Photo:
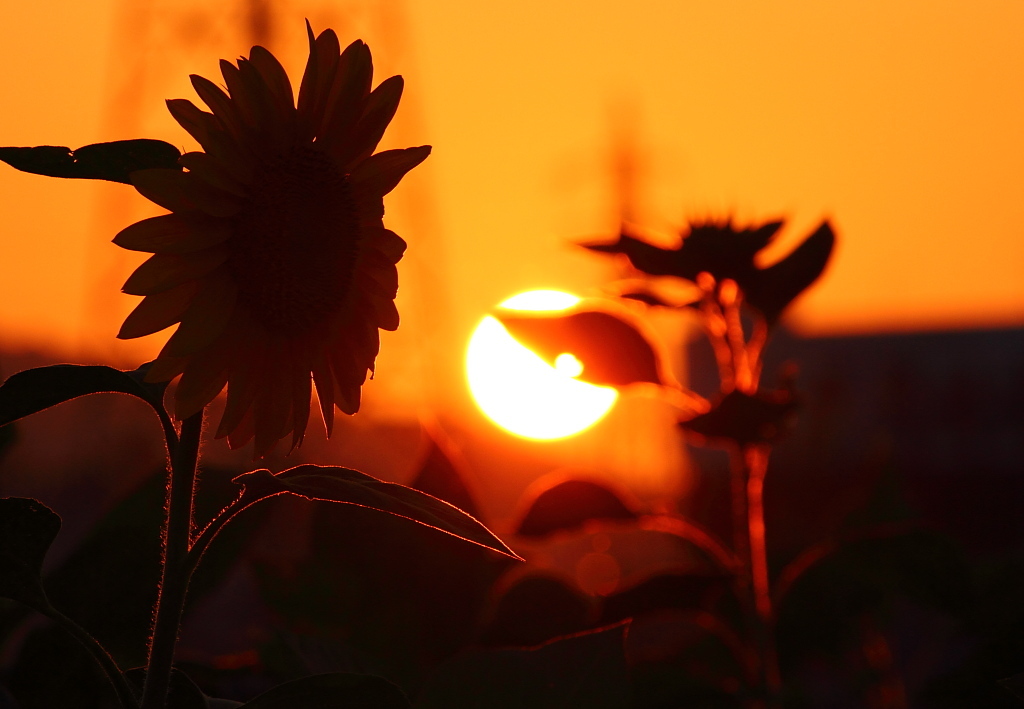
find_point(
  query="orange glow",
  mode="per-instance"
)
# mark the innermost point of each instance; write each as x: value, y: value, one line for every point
x: 521, y: 392
x: 900, y: 122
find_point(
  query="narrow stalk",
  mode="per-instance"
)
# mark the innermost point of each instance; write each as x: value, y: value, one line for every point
x: 125, y: 696
x: 174, y: 581
x: 755, y: 460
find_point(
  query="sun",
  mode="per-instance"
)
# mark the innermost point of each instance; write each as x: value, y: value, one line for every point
x: 521, y: 392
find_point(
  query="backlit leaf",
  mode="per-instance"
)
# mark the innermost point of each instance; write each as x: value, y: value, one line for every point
x: 113, y: 161
x: 36, y: 389
x: 334, y: 484
x: 570, y: 505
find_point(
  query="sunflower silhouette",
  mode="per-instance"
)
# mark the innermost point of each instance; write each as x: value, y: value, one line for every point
x: 274, y: 258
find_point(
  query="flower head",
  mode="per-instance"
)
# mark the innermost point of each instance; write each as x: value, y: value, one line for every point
x: 274, y: 258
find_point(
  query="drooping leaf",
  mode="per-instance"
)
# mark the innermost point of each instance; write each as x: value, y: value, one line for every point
x: 612, y: 351
x: 335, y: 690
x: 771, y: 289
x: 570, y: 505
x: 439, y: 477
x: 113, y: 161
x: 536, y: 609
x: 745, y: 419
x: 334, y: 484
x: 33, y: 390
x: 27, y: 529
x: 586, y: 670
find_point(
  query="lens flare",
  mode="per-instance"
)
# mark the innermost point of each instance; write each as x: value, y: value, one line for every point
x: 521, y: 392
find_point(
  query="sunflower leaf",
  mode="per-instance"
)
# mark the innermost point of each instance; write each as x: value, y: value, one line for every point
x: 570, y: 505
x: 33, y: 390
x: 613, y: 352
x: 27, y: 529
x: 334, y: 484
x: 335, y: 690
x: 113, y: 161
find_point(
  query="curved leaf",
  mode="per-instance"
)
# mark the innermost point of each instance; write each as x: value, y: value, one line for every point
x: 113, y: 161
x: 336, y: 690
x: 570, y: 505
x: 334, y: 484
x: 36, y: 389
x: 27, y: 529
x: 613, y: 352
x: 535, y: 609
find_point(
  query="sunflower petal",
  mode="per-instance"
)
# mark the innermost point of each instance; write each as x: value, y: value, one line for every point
x: 165, y: 368
x: 380, y: 109
x: 385, y: 242
x: 324, y: 381
x: 158, y: 312
x: 347, y: 95
x: 210, y: 171
x: 275, y: 77
x: 164, y: 187
x: 242, y: 386
x: 387, y: 313
x: 206, y: 318
x: 203, y: 379
x: 243, y: 432
x: 273, y: 405
x: 379, y: 174
x: 221, y: 105
x: 381, y: 281
x: 301, y: 391
x: 165, y: 271
x: 180, y: 191
x: 316, y: 82
x: 175, y: 233
x: 197, y: 122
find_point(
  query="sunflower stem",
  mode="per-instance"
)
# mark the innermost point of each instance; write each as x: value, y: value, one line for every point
x: 170, y: 602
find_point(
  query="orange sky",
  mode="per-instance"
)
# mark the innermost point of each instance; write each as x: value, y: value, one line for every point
x: 902, y: 122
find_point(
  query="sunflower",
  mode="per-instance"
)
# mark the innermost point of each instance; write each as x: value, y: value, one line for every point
x: 274, y: 258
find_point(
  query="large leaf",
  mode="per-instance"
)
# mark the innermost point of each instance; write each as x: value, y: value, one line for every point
x: 587, y: 670
x: 27, y: 529
x: 336, y: 690
x: 570, y: 505
x: 535, y: 609
x: 612, y: 351
x: 33, y: 390
x: 352, y: 487
x: 113, y: 161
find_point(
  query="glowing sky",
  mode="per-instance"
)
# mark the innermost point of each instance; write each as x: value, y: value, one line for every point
x: 903, y: 122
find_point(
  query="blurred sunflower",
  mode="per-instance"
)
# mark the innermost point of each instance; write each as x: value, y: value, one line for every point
x: 274, y: 258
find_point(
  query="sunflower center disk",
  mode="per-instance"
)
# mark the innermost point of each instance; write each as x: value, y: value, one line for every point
x: 295, y: 243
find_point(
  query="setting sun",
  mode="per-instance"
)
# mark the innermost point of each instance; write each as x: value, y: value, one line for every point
x: 521, y: 392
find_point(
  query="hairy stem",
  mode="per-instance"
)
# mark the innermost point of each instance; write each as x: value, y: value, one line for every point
x: 174, y: 581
